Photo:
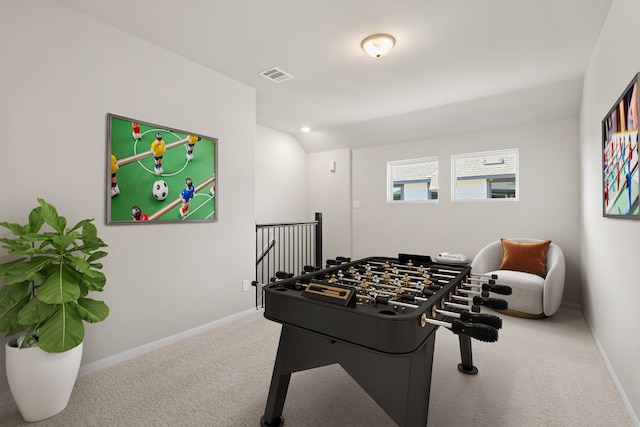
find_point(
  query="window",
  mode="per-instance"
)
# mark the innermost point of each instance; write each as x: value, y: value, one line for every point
x: 485, y: 176
x: 413, y: 180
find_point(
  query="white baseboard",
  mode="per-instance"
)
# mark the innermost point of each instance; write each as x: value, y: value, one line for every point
x: 134, y: 352
x: 625, y: 400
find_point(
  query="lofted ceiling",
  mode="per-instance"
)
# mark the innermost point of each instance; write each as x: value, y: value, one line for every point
x: 458, y: 65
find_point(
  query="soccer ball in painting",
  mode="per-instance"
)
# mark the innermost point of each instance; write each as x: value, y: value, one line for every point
x: 160, y: 190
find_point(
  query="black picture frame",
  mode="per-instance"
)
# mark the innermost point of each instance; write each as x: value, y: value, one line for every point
x: 620, y: 187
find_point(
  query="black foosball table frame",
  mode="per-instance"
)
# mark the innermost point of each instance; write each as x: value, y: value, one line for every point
x: 383, y: 340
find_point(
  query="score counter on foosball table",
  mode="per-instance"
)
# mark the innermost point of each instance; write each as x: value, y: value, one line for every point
x: 378, y: 314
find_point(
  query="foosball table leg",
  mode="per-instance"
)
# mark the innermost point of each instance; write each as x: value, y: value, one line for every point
x: 273, y: 415
x: 296, y: 352
x: 399, y: 383
x: 466, y: 356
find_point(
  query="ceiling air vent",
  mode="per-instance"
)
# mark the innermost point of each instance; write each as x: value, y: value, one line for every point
x: 276, y: 75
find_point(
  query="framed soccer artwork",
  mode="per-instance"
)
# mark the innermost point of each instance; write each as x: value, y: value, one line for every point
x: 620, y: 195
x: 159, y: 174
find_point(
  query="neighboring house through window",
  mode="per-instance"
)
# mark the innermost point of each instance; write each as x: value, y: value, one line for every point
x: 485, y: 176
x: 413, y: 180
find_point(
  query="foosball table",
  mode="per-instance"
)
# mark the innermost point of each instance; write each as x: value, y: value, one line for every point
x: 378, y: 315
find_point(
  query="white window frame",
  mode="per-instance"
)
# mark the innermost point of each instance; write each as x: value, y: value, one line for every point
x: 488, y: 158
x: 390, y: 166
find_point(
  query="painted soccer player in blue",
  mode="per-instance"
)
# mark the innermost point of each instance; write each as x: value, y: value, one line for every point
x: 185, y: 196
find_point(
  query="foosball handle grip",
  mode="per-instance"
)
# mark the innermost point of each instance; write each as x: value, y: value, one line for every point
x: 485, y: 319
x: 495, y: 303
x: 480, y: 332
x: 283, y: 275
x: 497, y: 289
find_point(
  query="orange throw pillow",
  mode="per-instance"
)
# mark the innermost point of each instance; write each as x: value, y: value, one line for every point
x: 528, y: 257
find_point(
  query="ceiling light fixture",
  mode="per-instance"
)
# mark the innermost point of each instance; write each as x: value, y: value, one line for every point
x: 378, y: 45
x: 305, y: 129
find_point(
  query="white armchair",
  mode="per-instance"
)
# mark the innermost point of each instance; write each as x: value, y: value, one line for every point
x: 532, y: 295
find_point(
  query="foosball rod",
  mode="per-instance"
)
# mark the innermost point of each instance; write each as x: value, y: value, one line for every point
x: 481, y: 293
x: 386, y: 301
x: 491, y: 276
x: 431, y: 286
x: 392, y: 291
x: 358, y: 283
x: 497, y: 289
x: 388, y: 276
x: 478, y: 331
x: 481, y: 279
x: 495, y: 303
x: 421, y: 277
x: 427, y: 271
x: 413, y: 268
x: 472, y: 308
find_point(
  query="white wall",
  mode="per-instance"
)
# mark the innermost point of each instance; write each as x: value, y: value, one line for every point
x: 62, y: 73
x: 547, y: 209
x: 610, y: 248
x: 281, y: 178
x: 330, y: 193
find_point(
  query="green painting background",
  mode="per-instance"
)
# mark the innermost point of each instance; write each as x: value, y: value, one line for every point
x: 136, y: 179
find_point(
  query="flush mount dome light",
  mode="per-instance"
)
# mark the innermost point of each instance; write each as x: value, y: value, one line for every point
x: 378, y: 45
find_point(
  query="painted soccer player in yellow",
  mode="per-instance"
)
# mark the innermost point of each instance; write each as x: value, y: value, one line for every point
x: 114, y: 184
x: 191, y: 144
x: 157, y: 147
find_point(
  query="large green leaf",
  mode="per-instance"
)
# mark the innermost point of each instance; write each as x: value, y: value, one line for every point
x: 15, y: 246
x: 95, y: 282
x: 91, y: 310
x: 26, y: 270
x: 59, y: 286
x: 11, y: 294
x: 97, y: 255
x: 79, y: 263
x: 16, y: 229
x: 89, y: 230
x: 90, y: 244
x: 62, y: 331
x: 9, y: 323
x: 35, y: 311
x: 51, y: 217
x: 4, y: 267
x: 81, y: 224
x: 35, y: 220
x: 64, y: 242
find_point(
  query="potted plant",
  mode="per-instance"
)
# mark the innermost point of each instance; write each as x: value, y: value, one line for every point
x: 44, y: 303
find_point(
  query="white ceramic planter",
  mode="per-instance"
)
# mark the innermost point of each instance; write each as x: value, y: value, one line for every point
x: 41, y: 383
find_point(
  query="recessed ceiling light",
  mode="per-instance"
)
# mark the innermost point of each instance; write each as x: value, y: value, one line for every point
x: 305, y: 129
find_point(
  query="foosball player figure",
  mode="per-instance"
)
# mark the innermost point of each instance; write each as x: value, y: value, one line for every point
x: 185, y: 196
x: 191, y: 144
x: 137, y: 215
x: 158, y: 149
x: 114, y: 183
x: 135, y: 131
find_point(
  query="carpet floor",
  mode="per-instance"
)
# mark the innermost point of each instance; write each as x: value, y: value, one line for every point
x: 539, y: 373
